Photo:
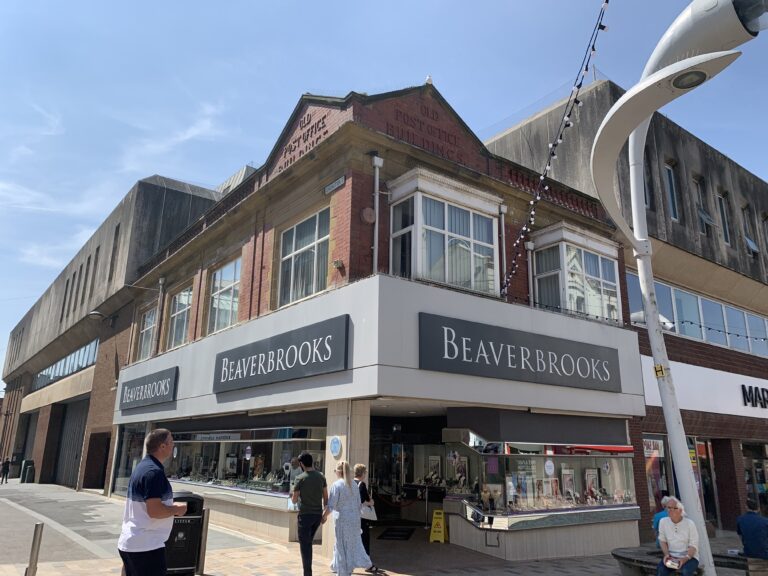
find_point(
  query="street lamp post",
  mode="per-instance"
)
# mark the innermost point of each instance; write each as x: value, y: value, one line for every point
x: 690, y: 53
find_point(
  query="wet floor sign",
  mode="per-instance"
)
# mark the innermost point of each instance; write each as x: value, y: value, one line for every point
x: 437, y: 534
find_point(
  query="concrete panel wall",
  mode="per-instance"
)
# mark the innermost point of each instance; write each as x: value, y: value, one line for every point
x: 78, y: 384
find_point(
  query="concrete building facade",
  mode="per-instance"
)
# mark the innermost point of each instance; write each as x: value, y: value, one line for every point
x: 708, y: 221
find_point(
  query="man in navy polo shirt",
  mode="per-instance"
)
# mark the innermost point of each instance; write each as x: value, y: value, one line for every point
x: 753, y: 530
x: 149, y: 510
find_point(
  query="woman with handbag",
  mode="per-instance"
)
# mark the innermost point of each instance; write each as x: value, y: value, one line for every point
x: 367, y: 511
x: 344, y: 503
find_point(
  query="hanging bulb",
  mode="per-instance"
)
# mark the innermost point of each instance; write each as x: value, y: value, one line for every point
x: 531, y: 202
x: 602, y: 27
x: 605, y: 4
x: 586, y: 68
x: 547, y: 168
x: 593, y: 51
x: 578, y: 102
x: 567, y: 117
x: 533, y: 212
x: 554, y: 154
x: 541, y: 177
x: 568, y: 124
x: 560, y: 139
x: 546, y: 187
x: 551, y: 145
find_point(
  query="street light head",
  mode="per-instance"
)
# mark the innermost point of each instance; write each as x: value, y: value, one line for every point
x: 690, y: 79
x: 753, y: 14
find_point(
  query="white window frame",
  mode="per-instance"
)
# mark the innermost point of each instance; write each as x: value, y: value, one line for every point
x: 146, y: 333
x: 420, y: 183
x: 211, y: 325
x: 722, y: 207
x: 564, y: 235
x: 294, y: 253
x: 670, y: 185
x: 172, y: 316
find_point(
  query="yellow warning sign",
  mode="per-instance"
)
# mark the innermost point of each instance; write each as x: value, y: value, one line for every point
x: 437, y: 534
x: 660, y: 371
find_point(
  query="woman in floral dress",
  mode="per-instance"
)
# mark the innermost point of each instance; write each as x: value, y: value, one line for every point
x: 344, y: 503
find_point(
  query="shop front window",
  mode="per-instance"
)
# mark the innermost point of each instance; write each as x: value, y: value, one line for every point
x: 512, y: 478
x: 656, y: 470
x: 756, y: 467
x: 130, y: 451
x: 246, y: 459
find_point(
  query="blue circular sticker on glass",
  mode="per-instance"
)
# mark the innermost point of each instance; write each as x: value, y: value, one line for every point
x: 335, y: 446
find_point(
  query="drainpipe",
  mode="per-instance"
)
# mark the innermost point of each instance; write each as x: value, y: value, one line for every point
x: 159, y: 321
x: 529, y: 246
x: 377, y: 163
x: 502, y: 212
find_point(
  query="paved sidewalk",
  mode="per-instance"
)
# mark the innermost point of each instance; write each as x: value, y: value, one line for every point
x: 81, y: 531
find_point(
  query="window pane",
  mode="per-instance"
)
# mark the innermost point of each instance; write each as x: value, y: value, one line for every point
x: 722, y: 206
x: 303, y: 271
x: 234, y: 304
x: 482, y: 228
x: 575, y: 293
x: 434, y: 213
x: 322, y: 266
x: 213, y: 313
x: 688, y: 321
x: 548, y: 260
x: 609, y: 270
x: 636, y: 311
x: 594, y: 297
x: 483, y: 269
x: 666, y: 311
x: 323, y: 223
x: 737, y: 329
x: 287, y: 242
x: 548, y: 292
x: 458, y: 221
x: 402, y: 215
x: 459, y: 262
x: 433, y: 248
x: 757, y: 335
x: 305, y: 233
x: 573, y: 258
x: 610, y: 302
x: 285, y: 281
x: 401, y: 255
x: 714, y: 322
x: 592, y: 264
x: 671, y: 191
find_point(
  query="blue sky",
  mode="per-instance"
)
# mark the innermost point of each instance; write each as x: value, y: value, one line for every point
x: 96, y: 95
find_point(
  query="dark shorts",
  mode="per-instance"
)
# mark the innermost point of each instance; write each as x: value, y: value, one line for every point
x: 150, y: 563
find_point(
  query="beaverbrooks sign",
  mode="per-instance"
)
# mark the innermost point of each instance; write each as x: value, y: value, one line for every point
x: 151, y: 389
x: 315, y: 349
x: 459, y: 346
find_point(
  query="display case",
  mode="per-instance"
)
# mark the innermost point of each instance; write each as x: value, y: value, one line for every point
x: 253, y: 460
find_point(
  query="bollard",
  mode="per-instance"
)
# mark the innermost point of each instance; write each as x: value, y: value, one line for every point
x: 35, y: 550
x: 203, y: 543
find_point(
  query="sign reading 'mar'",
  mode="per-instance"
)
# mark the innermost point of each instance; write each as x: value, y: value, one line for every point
x: 153, y: 388
x: 754, y: 396
x: 315, y: 349
x: 459, y: 346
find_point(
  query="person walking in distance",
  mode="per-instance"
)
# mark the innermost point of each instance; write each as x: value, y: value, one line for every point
x: 310, y: 492
x: 6, y: 468
x: 149, y: 510
x: 366, y: 500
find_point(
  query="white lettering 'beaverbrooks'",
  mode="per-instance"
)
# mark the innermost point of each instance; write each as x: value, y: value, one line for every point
x: 315, y: 349
x: 150, y: 389
x: 463, y: 347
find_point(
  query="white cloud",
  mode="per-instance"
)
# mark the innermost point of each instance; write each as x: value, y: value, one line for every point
x: 56, y: 255
x: 16, y: 196
x: 143, y: 155
x: 54, y: 125
x: 19, y: 152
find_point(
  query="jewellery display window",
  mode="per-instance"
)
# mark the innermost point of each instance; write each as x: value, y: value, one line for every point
x: 257, y: 460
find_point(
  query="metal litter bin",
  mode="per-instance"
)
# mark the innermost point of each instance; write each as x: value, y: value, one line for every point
x: 182, y: 550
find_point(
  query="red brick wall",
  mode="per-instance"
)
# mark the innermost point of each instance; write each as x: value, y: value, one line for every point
x: 341, y: 238
x: 245, y: 305
x: 731, y: 488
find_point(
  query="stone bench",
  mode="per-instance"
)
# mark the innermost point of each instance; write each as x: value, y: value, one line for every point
x: 640, y: 561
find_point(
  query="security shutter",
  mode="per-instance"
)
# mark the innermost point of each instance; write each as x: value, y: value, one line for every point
x: 71, y: 443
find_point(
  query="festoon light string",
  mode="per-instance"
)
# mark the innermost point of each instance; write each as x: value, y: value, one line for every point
x: 566, y: 121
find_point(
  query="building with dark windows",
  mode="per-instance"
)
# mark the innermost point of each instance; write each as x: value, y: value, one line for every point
x: 65, y: 355
x: 708, y: 221
x: 348, y: 298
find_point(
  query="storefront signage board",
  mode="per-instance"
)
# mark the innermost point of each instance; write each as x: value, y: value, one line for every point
x: 319, y: 348
x: 154, y: 388
x: 463, y: 347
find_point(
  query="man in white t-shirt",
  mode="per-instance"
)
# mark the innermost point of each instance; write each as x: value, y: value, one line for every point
x: 149, y: 510
x: 679, y: 541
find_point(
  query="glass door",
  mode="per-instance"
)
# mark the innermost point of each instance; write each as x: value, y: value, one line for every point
x: 708, y: 488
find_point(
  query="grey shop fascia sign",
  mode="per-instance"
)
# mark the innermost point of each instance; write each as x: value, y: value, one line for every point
x: 463, y: 347
x: 319, y: 348
x: 154, y: 388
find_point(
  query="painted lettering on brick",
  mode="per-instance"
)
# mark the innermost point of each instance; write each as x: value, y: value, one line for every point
x: 312, y: 130
x: 423, y: 131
